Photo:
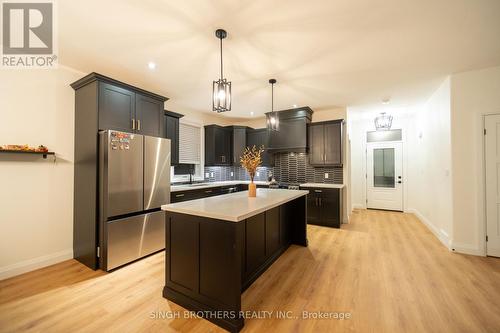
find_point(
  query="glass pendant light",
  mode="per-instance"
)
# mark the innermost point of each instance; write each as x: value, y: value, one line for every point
x: 273, y: 121
x: 221, y: 89
x: 383, y: 122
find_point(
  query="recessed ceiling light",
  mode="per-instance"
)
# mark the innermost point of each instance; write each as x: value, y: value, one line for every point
x: 251, y: 113
x: 294, y: 106
x: 386, y: 100
x: 151, y: 65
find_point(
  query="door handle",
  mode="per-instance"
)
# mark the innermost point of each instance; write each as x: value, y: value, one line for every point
x: 138, y: 125
x: 133, y: 123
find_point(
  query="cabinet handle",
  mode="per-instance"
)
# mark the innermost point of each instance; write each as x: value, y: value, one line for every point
x: 133, y: 123
x: 318, y: 191
x: 316, y: 201
x: 320, y: 202
x: 209, y: 191
x: 138, y: 125
x: 179, y: 195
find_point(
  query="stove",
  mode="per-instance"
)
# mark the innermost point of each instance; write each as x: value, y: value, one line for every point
x: 286, y: 186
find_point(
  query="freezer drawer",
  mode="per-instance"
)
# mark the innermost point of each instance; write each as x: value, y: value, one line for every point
x: 134, y: 237
x: 156, y: 172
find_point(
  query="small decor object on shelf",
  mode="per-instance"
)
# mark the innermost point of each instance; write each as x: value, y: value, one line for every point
x: 251, y: 160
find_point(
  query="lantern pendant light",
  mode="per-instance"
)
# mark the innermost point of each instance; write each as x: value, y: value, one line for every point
x: 383, y: 122
x: 221, y: 89
x: 273, y: 121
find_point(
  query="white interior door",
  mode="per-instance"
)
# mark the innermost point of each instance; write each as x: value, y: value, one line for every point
x: 492, y: 166
x: 384, y: 166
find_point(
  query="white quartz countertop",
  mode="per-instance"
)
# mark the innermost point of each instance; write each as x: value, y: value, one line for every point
x: 186, y: 187
x: 321, y: 185
x: 236, y: 206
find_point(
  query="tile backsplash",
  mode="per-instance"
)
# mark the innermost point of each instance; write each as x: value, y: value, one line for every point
x: 289, y: 168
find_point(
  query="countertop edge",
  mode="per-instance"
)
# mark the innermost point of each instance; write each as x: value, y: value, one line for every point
x: 239, y: 218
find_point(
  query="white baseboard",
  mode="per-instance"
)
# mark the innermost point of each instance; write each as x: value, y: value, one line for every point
x: 467, y: 249
x: 358, y: 206
x: 35, y: 263
x: 440, y: 234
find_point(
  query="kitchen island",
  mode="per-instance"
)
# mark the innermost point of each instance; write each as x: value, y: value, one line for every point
x: 217, y: 246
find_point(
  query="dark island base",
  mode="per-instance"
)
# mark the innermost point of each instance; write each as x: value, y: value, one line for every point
x: 210, y: 262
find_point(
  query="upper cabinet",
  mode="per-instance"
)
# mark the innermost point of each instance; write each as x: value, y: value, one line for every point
x: 121, y: 106
x: 218, y: 146
x: 238, y: 142
x: 260, y: 137
x: 292, y: 134
x: 171, y: 128
x: 325, y: 143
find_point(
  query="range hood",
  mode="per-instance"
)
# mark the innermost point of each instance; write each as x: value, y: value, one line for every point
x: 292, y: 135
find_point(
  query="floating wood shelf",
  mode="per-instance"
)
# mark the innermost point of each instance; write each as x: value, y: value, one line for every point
x: 43, y: 153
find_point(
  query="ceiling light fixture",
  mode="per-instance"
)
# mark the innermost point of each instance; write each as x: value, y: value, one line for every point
x: 273, y: 121
x: 386, y: 100
x: 383, y: 122
x: 221, y: 89
x: 251, y: 113
x: 151, y: 65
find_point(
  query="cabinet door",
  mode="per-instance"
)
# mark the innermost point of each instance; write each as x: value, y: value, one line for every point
x: 255, y: 242
x: 239, y: 144
x: 330, y: 208
x: 116, y: 108
x: 220, y: 139
x: 149, y: 116
x: 313, y: 209
x: 316, y: 145
x: 333, y: 143
x: 273, y: 240
x: 172, y: 133
x: 210, y: 158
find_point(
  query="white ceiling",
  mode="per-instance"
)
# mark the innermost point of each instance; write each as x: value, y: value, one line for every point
x: 323, y: 53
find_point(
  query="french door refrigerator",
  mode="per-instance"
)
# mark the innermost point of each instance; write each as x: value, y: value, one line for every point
x: 134, y: 180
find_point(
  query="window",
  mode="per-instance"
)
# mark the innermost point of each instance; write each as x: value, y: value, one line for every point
x: 190, y: 152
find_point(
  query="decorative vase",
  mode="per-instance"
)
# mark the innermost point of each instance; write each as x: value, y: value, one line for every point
x: 252, y: 190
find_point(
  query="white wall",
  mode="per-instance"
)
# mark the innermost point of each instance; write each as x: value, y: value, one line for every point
x: 360, y: 121
x: 429, y: 165
x: 473, y: 95
x: 36, y: 195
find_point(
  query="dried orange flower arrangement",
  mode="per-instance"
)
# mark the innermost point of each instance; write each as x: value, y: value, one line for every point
x: 251, y: 160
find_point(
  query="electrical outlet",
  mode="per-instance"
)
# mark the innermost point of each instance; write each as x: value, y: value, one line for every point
x: 326, y: 175
x: 257, y: 174
x: 211, y: 175
x: 207, y: 175
x: 232, y: 174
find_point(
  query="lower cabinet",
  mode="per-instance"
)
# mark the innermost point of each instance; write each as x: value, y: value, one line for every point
x: 324, y: 206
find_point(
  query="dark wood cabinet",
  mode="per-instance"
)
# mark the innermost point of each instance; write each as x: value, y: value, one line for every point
x: 292, y: 134
x: 255, y: 242
x: 195, y: 193
x: 149, y: 116
x: 126, y: 110
x: 103, y: 103
x: 325, y: 143
x: 171, y: 130
x: 217, y: 146
x: 116, y: 108
x: 273, y: 239
x: 259, y: 137
x: 238, y: 143
x: 324, y: 206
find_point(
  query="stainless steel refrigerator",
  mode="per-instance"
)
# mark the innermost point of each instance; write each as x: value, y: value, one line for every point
x: 134, y: 181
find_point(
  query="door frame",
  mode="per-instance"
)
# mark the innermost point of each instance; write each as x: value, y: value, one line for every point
x: 403, y: 171
x: 482, y: 192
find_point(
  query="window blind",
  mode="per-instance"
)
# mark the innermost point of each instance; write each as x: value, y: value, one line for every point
x: 189, y: 144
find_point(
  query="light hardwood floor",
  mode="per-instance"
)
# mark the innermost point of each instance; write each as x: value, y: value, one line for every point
x: 386, y: 269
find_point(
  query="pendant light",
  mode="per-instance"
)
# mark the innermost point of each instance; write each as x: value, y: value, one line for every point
x: 221, y: 89
x: 273, y: 121
x: 383, y: 122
